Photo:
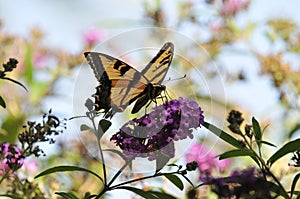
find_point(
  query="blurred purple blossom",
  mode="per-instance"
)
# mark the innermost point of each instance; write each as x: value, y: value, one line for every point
x: 155, y: 133
x: 207, y: 160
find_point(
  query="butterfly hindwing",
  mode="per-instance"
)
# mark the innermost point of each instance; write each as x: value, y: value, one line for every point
x: 121, y: 84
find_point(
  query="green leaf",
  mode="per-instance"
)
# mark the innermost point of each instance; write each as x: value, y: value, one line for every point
x: 295, y: 180
x: 239, y: 152
x: 85, y: 127
x: 11, y: 196
x: 67, y: 195
x: 277, y: 189
x: 223, y: 135
x: 236, y: 153
x: 287, y: 148
x: 148, y: 194
x: 267, y: 143
x: 2, y: 102
x: 140, y: 192
x: 175, y: 180
x: 295, y: 129
x: 104, y: 125
x: 66, y: 168
x: 162, y: 195
x: 257, y: 131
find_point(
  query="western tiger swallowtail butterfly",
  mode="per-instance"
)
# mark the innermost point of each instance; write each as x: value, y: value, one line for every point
x: 120, y: 84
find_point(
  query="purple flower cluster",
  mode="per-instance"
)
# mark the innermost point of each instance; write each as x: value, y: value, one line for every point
x: 156, y: 132
x: 10, y: 157
x: 248, y: 183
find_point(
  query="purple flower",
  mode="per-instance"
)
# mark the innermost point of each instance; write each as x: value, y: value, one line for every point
x: 207, y: 160
x: 10, y: 157
x: 93, y: 35
x: 247, y: 183
x: 155, y: 133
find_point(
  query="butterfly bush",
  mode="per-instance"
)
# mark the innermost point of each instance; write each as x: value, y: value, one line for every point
x: 155, y: 133
x: 247, y: 183
x: 11, y: 158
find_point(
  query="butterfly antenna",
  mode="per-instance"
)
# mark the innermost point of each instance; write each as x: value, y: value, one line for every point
x: 170, y: 79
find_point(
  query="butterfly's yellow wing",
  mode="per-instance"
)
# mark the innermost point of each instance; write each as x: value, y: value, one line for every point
x: 158, y: 67
x: 121, y: 84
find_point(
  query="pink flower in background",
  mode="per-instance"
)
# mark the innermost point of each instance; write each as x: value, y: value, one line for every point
x: 39, y: 60
x: 10, y: 157
x: 93, y: 35
x: 31, y: 166
x: 231, y: 7
x: 207, y: 160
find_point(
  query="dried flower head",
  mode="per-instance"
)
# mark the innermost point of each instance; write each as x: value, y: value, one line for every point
x: 34, y: 133
x: 235, y: 120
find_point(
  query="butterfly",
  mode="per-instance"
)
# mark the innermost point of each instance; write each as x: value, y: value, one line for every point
x: 120, y: 84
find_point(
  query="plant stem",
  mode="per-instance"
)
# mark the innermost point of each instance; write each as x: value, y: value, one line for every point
x: 101, y: 153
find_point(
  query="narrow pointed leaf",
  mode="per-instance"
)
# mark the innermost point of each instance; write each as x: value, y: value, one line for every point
x: 140, y: 192
x: 223, y: 135
x: 2, y: 102
x: 66, y: 168
x: 287, y: 148
x: 175, y: 180
x: 256, y: 130
x: 236, y: 153
x: 267, y: 143
x: 277, y: 189
x: 11, y: 196
x: 295, y: 180
x: 68, y: 195
x: 162, y: 195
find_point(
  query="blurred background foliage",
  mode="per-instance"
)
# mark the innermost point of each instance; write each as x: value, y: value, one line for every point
x: 252, y: 57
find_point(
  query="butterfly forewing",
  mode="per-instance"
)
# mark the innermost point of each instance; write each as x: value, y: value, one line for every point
x: 120, y: 84
x: 157, y: 68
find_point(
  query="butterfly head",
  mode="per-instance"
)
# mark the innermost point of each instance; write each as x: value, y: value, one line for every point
x: 156, y: 90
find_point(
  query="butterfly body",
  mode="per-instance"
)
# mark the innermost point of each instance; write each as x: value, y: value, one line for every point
x: 120, y: 84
